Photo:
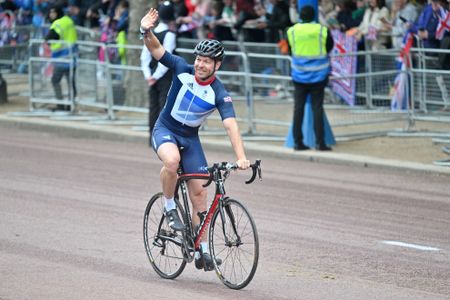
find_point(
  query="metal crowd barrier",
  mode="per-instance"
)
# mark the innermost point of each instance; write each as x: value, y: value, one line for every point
x: 256, y: 75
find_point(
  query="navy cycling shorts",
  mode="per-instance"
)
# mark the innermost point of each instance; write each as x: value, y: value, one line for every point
x: 193, y: 158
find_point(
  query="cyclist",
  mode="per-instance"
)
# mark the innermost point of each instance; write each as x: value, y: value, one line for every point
x: 195, y: 93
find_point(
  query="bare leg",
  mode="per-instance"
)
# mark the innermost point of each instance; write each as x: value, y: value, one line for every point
x: 170, y: 156
x: 197, y: 194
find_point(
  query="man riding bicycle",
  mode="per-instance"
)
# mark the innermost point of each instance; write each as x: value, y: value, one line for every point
x: 195, y: 93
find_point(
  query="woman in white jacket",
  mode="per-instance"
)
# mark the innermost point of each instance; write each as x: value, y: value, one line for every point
x: 372, y: 26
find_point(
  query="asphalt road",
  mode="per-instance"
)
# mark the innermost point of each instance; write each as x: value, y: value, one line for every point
x: 71, y: 226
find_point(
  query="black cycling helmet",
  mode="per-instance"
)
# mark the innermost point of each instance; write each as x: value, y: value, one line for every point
x: 166, y: 11
x: 210, y: 48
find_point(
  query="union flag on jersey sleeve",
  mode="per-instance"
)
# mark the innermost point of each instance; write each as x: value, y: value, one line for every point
x: 227, y: 99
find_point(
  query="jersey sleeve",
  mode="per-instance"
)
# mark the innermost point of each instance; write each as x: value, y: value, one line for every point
x: 224, y: 103
x: 175, y: 62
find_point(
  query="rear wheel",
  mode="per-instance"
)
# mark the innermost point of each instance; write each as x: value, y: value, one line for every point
x: 162, y: 244
x: 234, y: 240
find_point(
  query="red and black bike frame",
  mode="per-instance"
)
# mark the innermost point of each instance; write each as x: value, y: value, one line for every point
x: 215, y: 174
x: 219, y: 195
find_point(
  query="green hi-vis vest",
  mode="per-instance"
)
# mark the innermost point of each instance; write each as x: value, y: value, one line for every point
x: 310, y: 62
x: 307, y: 39
x: 65, y: 28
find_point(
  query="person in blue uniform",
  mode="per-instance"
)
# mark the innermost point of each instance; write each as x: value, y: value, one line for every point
x: 194, y: 95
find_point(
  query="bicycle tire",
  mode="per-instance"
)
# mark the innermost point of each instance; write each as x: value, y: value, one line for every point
x: 164, y: 254
x: 239, y: 258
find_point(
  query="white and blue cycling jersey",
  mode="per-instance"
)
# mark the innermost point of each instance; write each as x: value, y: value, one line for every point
x: 189, y: 102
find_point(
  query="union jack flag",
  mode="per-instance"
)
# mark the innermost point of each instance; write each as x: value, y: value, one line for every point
x: 227, y: 99
x: 400, y: 90
x: 444, y: 23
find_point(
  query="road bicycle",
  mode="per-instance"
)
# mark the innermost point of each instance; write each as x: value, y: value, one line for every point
x: 233, y: 238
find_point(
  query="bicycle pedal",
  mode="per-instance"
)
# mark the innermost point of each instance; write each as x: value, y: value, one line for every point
x: 157, y: 243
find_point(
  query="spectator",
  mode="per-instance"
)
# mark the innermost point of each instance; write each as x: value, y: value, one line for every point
x: 108, y: 35
x: 180, y: 12
x: 427, y: 24
x: 204, y: 14
x: 157, y: 75
x: 224, y: 22
x: 62, y: 28
x: 372, y: 25
x: 326, y: 9
x: 9, y: 5
x: 121, y: 19
x: 347, y: 16
x: 25, y: 12
x: 40, y: 12
x: 310, y: 44
x: 6, y: 25
x: 245, y: 10
x: 252, y: 32
x: 403, y: 14
x: 197, y: 19
x: 358, y: 13
x: 77, y: 10
x: 276, y: 22
x: 74, y: 12
x: 101, y: 8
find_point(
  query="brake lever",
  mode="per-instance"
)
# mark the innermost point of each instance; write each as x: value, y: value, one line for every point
x: 211, y: 171
x: 210, y: 179
x: 256, y: 168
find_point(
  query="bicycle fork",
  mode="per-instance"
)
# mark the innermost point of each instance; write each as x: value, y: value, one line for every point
x: 229, y: 212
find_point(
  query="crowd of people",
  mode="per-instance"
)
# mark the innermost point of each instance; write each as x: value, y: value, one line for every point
x: 108, y: 17
x: 376, y: 23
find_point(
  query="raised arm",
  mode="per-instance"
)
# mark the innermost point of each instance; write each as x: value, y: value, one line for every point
x: 151, y: 42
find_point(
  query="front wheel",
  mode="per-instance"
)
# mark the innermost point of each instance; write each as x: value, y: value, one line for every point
x: 162, y: 244
x: 234, y: 241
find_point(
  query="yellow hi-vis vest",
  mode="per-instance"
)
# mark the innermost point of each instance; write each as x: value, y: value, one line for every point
x: 65, y: 28
x: 310, y: 62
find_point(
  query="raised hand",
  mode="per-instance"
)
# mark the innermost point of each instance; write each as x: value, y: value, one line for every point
x: 150, y: 19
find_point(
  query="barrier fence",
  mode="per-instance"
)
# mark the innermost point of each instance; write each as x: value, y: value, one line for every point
x: 257, y: 76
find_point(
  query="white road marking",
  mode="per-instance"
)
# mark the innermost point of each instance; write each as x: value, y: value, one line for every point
x: 414, y: 246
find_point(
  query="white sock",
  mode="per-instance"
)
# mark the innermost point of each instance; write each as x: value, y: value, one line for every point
x: 204, y: 246
x: 169, y: 204
x: 197, y: 254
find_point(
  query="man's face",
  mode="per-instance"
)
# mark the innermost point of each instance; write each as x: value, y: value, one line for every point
x: 52, y: 14
x: 205, y: 67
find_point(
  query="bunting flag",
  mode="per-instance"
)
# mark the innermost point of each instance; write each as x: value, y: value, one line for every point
x: 443, y: 24
x: 400, y: 90
x: 344, y: 67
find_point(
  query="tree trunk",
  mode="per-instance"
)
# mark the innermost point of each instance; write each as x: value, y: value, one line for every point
x: 136, y: 90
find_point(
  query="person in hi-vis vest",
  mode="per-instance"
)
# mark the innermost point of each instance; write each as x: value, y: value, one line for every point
x: 63, y: 29
x: 309, y: 43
